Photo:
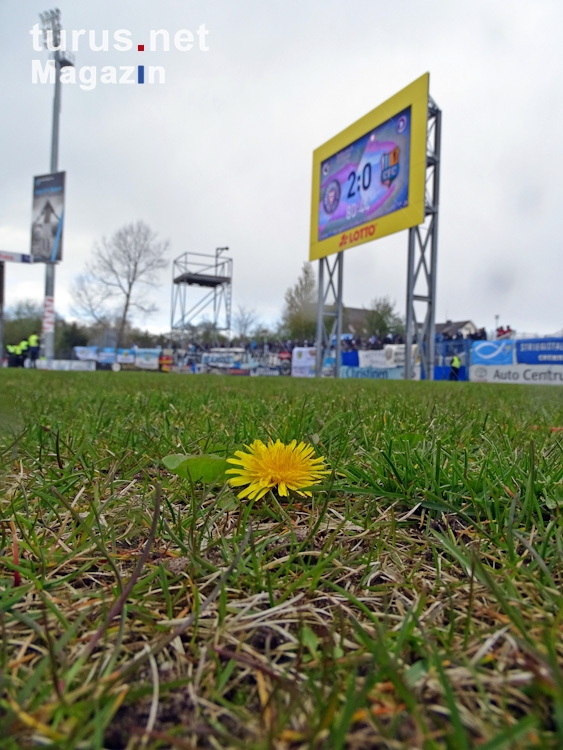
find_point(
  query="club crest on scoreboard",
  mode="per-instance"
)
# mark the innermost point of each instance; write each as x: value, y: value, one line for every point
x: 389, y: 166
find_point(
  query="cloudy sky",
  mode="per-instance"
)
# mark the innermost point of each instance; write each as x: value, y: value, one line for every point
x: 221, y: 153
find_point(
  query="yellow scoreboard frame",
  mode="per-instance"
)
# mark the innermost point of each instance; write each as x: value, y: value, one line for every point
x: 415, y: 97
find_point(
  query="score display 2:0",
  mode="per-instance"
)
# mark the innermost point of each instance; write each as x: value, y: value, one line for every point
x: 364, y: 181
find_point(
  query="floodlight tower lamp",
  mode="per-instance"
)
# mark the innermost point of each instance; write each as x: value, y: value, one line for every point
x: 51, y: 22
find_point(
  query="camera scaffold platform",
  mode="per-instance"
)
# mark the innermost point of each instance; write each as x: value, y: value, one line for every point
x: 212, y: 275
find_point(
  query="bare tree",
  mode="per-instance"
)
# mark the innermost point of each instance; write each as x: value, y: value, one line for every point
x: 244, y: 320
x: 89, y: 299
x: 121, y: 269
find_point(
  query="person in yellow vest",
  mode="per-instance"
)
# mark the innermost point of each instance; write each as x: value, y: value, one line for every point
x: 33, y: 351
x: 18, y: 361
x: 454, y: 367
x: 12, y: 358
x: 24, y: 346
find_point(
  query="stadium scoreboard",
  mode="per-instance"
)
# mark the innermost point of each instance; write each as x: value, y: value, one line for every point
x: 369, y: 180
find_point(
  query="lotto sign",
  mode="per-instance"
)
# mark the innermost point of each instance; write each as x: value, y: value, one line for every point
x: 368, y: 181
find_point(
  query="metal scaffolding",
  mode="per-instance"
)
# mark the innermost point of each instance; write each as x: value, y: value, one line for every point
x: 423, y: 258
x: 212, y: 274
x: 327, y: 288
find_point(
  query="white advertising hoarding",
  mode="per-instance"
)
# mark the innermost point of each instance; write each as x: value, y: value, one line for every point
x: 522, y: 374
x: 303, y: 360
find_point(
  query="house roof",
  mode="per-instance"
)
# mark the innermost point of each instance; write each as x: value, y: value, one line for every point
x: 451, y: 327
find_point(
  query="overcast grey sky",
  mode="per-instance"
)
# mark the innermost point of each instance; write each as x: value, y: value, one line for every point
x: 221, y: 154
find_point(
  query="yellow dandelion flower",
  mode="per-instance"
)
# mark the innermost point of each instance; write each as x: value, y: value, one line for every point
x: 287, y: 467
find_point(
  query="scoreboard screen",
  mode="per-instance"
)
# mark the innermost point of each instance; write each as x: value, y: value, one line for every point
x: 367, y: 179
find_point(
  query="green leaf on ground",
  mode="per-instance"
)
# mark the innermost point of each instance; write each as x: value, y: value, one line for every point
x: 205, y: 468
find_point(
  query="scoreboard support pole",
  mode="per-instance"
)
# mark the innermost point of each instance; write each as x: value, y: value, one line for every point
x: 423, y: 257
x: 330, y: 284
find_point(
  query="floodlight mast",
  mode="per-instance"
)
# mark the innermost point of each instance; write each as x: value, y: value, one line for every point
x: 51, y: 23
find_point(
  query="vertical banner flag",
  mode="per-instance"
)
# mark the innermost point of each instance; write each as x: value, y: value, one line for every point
x: 47, y: 218
x: 48, y: 315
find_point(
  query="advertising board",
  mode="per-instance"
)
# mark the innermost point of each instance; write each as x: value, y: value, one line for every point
x: 373, y: 373
x: 66, y: 365
x: 86, y: 353
x: 14, y: 257
x: 47, y: 214
x: 392, y: 355
x: 227, y: 359
x: 521, y: 374
x: 369, y: 180
x: 492, y: 353
x: 265, y: 370
x: 126, y: 356
x: 548, y: 351
x: 224, y: 359
x: 106, y: 356
x: 303, y: 361
x: 147, y: 359
x: 372, y: 358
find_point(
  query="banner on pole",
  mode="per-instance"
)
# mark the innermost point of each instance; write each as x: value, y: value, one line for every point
x: 49, y: 315
x: 47, y: 215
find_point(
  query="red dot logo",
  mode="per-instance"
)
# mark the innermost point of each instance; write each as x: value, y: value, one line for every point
x: 141, y: 47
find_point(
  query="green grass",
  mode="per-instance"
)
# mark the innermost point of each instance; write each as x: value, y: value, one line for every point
x: 414, y: 602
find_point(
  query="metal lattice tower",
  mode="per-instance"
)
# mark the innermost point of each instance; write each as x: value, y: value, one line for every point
x: 212, y: 275
x: 423, y: 257
x: 327, y: 289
